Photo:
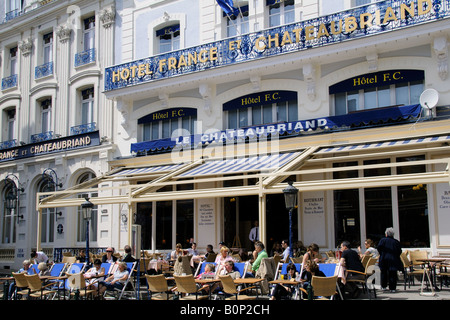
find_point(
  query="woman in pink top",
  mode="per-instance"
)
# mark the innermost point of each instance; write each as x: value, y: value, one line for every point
x: 222, y: 258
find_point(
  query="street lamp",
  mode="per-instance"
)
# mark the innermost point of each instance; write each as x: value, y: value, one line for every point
x: 86, y: 210
x: 290, y: 198
x: 12, y: 195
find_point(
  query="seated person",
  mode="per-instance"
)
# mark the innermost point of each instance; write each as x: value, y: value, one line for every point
x: 350, y: 260
x: 115, y: 281
x: 311, y: 269
x: 92, y: 274
x: 208, y: 273
x: 282, y: 290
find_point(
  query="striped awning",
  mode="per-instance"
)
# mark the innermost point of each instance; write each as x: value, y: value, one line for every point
x: 248, y: 164
x: 147, y: 170
x: 383, y: 144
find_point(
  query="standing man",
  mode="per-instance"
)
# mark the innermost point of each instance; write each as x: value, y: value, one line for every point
x: 254, y: 234
x: 389, y: 261
x: 38, y: 257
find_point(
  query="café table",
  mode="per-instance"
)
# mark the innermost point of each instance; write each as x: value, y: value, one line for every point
x: 6, y: 286
x: 432, y: 262
x: 250, y: 281
x: 286, y: 282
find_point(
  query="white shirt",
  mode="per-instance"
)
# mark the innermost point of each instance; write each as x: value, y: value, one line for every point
x: 253, y: 236
x: 286, y: 253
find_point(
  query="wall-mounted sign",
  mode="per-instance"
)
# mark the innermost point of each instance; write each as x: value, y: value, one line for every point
x: 364, y: 21
x: 372, y: 80
x: 260, y: 98
x: 167, y: 114
x: 51, y: 146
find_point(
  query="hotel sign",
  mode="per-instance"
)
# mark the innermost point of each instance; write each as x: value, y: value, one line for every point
x: 373, y: 19
x: 51, y: 146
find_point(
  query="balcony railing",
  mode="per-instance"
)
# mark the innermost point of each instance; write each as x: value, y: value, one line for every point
x: 43, y: 70
x: 84, y: 57
x: 9, y: 82
x: 38, y: 137
x: 82, y: 128
x: 8, y: 144
x: 13, y: 14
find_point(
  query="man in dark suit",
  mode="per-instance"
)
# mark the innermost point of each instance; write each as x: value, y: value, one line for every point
x: 389, y: 261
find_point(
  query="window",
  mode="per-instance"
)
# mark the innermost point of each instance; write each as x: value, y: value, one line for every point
x: 169, y: 38
x: 11, y: 123
x: 87, y: 106
x: 8, y: 220
x: 93, y: 223
x: 89, y: 33
x: 46, y: 110
x: 281, y: 12
x: 166, y: 128
x: 237, y: 25
x: 48, y: 214
x: 357, y: 3
x: 48, y: 47
x: 262, y: 114
x: 13, y: 60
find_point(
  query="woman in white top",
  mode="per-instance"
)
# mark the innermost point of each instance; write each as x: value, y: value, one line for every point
x: 115, y: 281
x: 93, y: 275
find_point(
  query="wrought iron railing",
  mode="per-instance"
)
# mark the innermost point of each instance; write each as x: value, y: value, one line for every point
x: 43, y: 70
x: 83, y: 128
x: 58, y: 253
x: 8, y: 144
x: 9, y: 82
x: 84, y: 57
x: 13, y: 14
x: 43, y: 136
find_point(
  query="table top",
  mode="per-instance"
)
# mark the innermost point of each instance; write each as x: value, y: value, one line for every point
x: 207, y: 280
x: 282, y: 281
x: 433, y: 259
x: 247, y: 280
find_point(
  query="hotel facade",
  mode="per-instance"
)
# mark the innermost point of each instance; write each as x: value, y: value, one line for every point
x: 208, y: 113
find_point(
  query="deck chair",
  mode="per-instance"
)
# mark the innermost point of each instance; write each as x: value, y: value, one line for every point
x: 37, y: 289
x: 241, y: 267
x: 33, y: 269
x: 362, y: 280
x: 157, y: 287
x: 21, y: 285
x: 77, y: 286
x: 201, y: 268
x: 108, y: 268
x: 75, y: 268
x: 324, y: 288
x: 186, y: 285
x: 329, y: 269
x: 230, y: 288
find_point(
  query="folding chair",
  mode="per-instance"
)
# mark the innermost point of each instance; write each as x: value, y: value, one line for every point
x: 201, y: 268
x: 131, y: 268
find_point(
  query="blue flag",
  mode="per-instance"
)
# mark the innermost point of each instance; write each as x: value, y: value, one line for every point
x: 227, y: 7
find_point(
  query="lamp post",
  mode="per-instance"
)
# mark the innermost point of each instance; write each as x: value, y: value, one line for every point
x: 86, y: 209
x: 290, y: 198
x: 12, y: 196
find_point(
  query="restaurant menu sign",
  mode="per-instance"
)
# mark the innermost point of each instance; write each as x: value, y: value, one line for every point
x: 360, y: 22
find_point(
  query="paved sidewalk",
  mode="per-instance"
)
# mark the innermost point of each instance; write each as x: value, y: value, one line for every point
x: 412, y: 293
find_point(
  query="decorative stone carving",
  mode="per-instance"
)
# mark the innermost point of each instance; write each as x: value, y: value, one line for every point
x: 372, y: 60
x: 63, y: 32
x: 108, y: 16
x: 309, y: 73
x: 440, y: 46
x: 26, y: 46
x: 256, y: 82
x: 205, y: 92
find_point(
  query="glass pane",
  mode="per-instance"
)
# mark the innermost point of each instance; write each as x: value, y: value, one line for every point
x: 243, y: 118
x: 292, y: 110
x: 416, y: 89
x: 256, y: 116
x: 185, y: 222
x: 164, y: 223
x: 402, y: 94
x: 411, y: 168
x: 352, y: 101
x: 232, y: 119
x: 377, y: 171
x: 274, y: 15
x: 384, y: 96
x: 155, y: 131
x: 146, y: 135
x: 281, y: 112
x: 165, y: 129
x: 267, y: 113
x: 370, y: 98
x: 378, y: 205
x: 346, y: 217
x: 340, y: 103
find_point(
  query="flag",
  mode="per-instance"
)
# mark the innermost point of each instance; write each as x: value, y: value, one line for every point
x: 227, y: 7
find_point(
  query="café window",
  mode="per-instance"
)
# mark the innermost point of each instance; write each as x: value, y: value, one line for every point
x: 165, y: 123
x: 261, y: 108
x: 89, y: 33
x: 281, y: 12
x: 46, y: 111
x: 377, y: 90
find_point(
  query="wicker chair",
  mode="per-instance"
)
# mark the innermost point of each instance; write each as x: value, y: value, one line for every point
x: 186, y: 285
x: 158, y: 288
x: 229, y: 287
x: 37, y: 289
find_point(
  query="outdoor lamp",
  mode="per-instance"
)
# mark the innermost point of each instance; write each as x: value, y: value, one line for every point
x: 86, y: 209
x: 11, y: 201
x: 290, y: 198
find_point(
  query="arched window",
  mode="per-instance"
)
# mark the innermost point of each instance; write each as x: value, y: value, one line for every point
x: 48, y: 214
x: 8, y: 222
x: 81, y: 223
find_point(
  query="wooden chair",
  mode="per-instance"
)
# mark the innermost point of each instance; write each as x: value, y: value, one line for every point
x: 230, y: 288
x: 186, y: 285
x: 324, y: 288
x: 363, y: 276
x: 77, y: 285
x: 37, y: 289
x: 158, y: 287
x: 21, y: 284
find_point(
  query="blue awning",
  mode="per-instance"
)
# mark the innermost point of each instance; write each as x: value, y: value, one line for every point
x: 145, y: 170
x: 241, y: 165
x: 347, y: 121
